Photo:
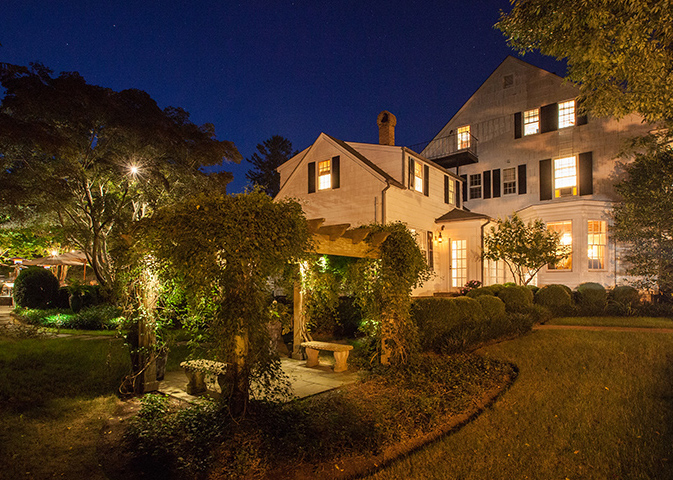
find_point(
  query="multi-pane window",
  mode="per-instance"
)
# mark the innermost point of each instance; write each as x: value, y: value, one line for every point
x: 531, y: 121
x: 449, y: 191
x: 509, y: 180
x: 463, y: 137
x: 475, y: 186
x: 458, y: 263
x: 596, y: 244
x: 565, y: 230
x: 324, y: 175
x: 566, y: 114
x: 418, y: 177
x: 565, y: 176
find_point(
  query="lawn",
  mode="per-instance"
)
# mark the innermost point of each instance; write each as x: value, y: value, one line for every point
x: 589, y: 405
x: 643, y: 322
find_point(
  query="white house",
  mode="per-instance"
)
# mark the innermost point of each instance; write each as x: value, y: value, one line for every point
x: 517, y: 145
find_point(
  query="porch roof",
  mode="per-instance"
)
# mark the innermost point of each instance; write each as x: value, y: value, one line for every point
x: 458, y: 215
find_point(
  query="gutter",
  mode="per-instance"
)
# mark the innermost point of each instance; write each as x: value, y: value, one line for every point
x: 383, y: 203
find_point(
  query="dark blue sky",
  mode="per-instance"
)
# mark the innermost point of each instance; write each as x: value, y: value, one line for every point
x: 260, y: 68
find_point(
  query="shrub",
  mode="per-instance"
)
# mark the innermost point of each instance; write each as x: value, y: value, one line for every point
x: 469, y: 286
x: 556, y: 298
x: 35, y: 287
x: 446, y: 324
x: 63, y: 298
x: 493, y: 307
x: 517, y: 298
x: 539, y: 314
x: 495, y: 288
x: 591, y: 298
x: 100, y: 317
x: 533, y: 288
x: 478, y: 292
x: 625, y: 295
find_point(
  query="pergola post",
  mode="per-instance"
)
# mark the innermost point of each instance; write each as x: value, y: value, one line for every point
x: 298, y: 321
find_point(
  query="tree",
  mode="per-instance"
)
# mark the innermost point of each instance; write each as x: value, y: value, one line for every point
x: 619, y: 53
x: 525, y: 248
x: 226, y: 248
x: 92, y: 160
x: 643, y: 219
x: 272, y: 153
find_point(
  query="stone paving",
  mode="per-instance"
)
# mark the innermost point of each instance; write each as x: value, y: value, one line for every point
x: 304, y: 381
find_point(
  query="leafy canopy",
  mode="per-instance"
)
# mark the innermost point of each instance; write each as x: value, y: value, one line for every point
x: 643, y: 219
x: 272, y: 153
x: 93, y: 160
x: 620, y: 53
x: 525, y: 248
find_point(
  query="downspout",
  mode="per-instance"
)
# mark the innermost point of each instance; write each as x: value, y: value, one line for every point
x: 482, y: 252
x: 383, y: 203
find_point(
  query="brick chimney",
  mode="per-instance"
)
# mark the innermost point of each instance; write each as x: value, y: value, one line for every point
x: 386, y: 122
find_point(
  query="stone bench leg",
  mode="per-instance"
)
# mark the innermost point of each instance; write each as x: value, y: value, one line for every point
x: 197, y: 382
x: 312, y: 357
x: 341, y: 359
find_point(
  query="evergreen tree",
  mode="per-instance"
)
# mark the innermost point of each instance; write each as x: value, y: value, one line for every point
x: 272, y: 153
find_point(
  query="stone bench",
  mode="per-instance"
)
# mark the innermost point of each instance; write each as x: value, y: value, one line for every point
x: 340, y: 354
x: 196, y: 371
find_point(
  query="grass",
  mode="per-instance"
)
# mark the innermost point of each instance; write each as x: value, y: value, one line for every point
x: 55, y: 397
x: 589, y: 405
x: 643, y: 322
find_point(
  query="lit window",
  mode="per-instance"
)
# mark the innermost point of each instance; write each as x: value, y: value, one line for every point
x: 531, y: 122
x: 475, y: 186
x: 463, y: 137
x: 565, y: 176
x: 509, y: 180
x: 566, y: 114
x: 458, y: 263
x: 565, y: 229
x: 597, y: 243
x: 418, y: 177
x: 452, y: 192
x: 325, y: 175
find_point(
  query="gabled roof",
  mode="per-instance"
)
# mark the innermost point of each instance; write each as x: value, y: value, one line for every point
x: 366, y: 161
x: 458, y: 215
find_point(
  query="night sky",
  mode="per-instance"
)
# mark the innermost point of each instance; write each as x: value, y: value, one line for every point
x: 260, y: 68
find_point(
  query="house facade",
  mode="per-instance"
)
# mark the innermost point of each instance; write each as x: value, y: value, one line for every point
x: 519, y: 144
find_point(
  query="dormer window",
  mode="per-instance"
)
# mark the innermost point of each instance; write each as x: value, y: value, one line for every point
x: 531, y: 121
x: 566, y: 114
x: 324, y: 175
x: 463, y: 137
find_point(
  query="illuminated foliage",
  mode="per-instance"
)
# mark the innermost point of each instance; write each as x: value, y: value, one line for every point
x: 620, y: 53
x: 92, y: 160
x: 525, y: 248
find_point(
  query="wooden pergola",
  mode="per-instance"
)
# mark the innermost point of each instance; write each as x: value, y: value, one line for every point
x: 338, y: 239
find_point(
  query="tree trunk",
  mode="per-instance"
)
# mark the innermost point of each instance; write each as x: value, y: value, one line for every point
x: 238, y: 376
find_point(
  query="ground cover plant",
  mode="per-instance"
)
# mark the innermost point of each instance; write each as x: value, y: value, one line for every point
x: 98, y: 317
x: 391, y: 406
x: 590, y: 405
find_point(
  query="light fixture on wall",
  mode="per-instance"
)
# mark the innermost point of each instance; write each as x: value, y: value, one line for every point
x: 439, y: 237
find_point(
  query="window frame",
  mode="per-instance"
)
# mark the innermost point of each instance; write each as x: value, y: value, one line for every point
x: 463, y: 140
x: 458, y: 263
x: 474, y: 188
x: 326, y: 177
x: 512, y: 184
x: 531, y: 123
x: 567, y: 114
x: 566, y: 263
x: 418, y: 176
x: 558, y: 190
x: 599, y: 242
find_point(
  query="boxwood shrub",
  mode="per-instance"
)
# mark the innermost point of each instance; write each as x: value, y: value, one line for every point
x: 478, y: 292
x: 591, y: 298
x: 556, y: 298
x: 517, y: 298
x: 35, y: 287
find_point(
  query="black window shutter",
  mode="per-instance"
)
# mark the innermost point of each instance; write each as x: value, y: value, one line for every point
x: 549, y: 118
x: 522, y: 179
x: 517, y: 125
x: 411, y: 173
x: 465, y: 187
x: 336, y: 169
x: 496, y: 183
x: 586, y: 174
x: 446, y: 189
x: 581, y: 119
x: 487, y: 184
x: 545, y: 179
x: 457, y: 194
x: 311, y: 177
x: 426, y: 180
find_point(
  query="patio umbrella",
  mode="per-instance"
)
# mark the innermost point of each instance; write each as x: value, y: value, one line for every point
x: 68, y: 259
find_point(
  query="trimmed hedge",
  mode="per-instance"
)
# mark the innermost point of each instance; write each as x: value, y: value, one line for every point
x: 36, y: 287
x: 556, y: 298
x: 591, y: 298
x: 517, y: 298
x: 493, y: 307
x: 625, y: 295
x: 478, y: 292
